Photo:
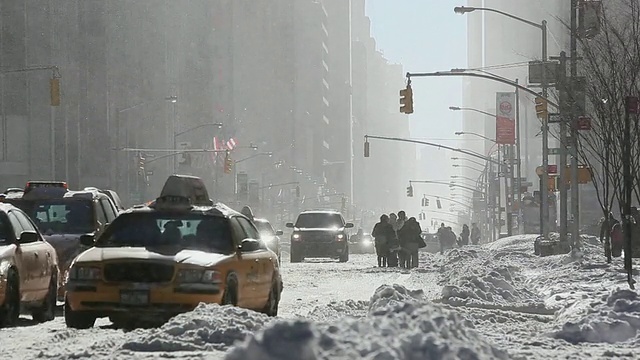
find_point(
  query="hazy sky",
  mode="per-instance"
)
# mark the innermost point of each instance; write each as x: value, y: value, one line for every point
x: 424, y: 36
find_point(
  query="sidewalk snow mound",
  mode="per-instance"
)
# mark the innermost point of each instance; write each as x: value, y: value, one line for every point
x: 208, y: 327
x: 615, y: 318
x: 490, y: 279
x: 394, y: 329
x: 338, y: 310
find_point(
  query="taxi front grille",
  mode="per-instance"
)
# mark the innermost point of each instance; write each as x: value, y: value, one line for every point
x: 139, y: 272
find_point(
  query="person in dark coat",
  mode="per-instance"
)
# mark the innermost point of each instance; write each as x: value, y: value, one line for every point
x: 403, y: 233
x: 464, y: 235
x: 475, y: 234
x: 383, y: 233
x: 411, y: 234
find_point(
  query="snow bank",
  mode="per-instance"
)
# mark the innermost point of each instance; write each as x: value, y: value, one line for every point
x: 615, y: 318
x: 400, y: 325
x: 339, y: 309
x: 208, y: 327
x: 491, y: 279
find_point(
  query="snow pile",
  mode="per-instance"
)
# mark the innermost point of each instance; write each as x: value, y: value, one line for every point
x: 208, y: 327
x: 339, y: 309
x: 491, y: 277
x: 615, y: 318
x: 394, y: 329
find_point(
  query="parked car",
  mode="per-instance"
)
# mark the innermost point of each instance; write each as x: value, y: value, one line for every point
x: 159, y: 260
x: 28, y: 269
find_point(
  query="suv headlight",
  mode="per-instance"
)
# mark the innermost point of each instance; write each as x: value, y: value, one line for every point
x: 84, y: 273
x: 296, y: 237
x: 340, y: 237
x: 198, y: 276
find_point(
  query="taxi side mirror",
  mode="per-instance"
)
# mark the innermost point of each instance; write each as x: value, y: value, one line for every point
x: 289, y: 225
x: 279, y: 232
x: 28, y: 237
x: 249, y: 245
x: 87, y: 240
x: 348, y: 225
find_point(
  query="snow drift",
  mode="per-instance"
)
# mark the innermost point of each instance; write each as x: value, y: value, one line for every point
x: 208, y: 327
x: 400, y: 325
x: 615, y: 318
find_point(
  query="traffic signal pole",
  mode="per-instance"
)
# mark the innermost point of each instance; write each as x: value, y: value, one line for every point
x: 575, y: 203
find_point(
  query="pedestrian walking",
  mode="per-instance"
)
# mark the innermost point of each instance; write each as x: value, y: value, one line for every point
x: 404, y: 235
x: 382, y: 233
x: 464, y: 235
x: 475, y: 234
x: 413, y: 242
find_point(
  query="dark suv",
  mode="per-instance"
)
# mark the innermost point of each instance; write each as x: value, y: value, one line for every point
x: 319, y: 233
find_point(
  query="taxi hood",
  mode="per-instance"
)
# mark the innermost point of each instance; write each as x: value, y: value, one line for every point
x: 7, y: 251
x: 185, y: 256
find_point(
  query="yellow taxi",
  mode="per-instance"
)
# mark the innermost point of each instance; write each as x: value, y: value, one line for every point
x: 158, y: 260
x: 28, y: 269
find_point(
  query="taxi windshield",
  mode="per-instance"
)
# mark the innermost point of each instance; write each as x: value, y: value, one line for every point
x: 188, y: 231
x: 62, y: 216
x: 319, y: 221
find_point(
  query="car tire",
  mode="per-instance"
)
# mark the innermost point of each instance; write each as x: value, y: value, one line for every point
x: 344, y: 257
x: 271, y: 307
x: 230, y: 295
x: 47, y: 311
x: 77, y: 319
x: 10, y: 310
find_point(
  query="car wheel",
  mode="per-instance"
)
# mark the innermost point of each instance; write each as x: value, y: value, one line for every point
x: 344, y: 257
x: 230, y: 296
x: 77, y: 319
x: 10, y: 310
x: 47, y: 311
x: 271, y: 307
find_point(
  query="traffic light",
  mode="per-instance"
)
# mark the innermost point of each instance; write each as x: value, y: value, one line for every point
x: 438, y: 204
x: 228, y: 164
x: 366, y: 148
x: 406, y: 100
x: 425, y: 201
x: 54, y: 88
x: 542, y: 110
x: 409, y: 191
x: 298, y: 191
x: 343, y: 209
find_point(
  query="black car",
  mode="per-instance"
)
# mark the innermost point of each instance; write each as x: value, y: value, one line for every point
x: 320, y: 234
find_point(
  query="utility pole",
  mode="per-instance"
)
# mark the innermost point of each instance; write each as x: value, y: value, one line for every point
x: 575, y: 236
x: 564, y: 86
x: 632, y: 106
x: 544, y: 186
x: 519, y: 160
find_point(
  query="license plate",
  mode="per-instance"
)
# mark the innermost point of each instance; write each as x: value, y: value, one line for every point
x: 134, y: 297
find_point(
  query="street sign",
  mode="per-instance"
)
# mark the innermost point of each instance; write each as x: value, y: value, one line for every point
x: 554, y: 151
x: 552, y: 169
x: 584, y: 123
x: 552, y: 69
x: 540, y: 170
x: 554, y: 118
x: 501, y: 174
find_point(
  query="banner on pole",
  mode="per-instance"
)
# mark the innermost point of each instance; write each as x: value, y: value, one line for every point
x: 506, y: 119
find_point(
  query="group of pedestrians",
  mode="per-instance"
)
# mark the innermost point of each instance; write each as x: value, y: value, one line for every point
x: 397, y: 240
x: 448, y: 240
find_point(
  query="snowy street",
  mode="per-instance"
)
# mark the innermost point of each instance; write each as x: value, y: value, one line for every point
x: 496, y: 301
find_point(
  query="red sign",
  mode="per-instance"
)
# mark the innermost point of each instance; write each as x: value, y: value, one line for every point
x: 505, y: 119
x: 633, y: 105
x: 552, y: 169
x: 584, y: 123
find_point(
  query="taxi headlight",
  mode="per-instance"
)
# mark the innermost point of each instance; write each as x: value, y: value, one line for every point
x: 198, y: 276
x: 84, y: 273
x: 340, y: 237
x: 295, y: 236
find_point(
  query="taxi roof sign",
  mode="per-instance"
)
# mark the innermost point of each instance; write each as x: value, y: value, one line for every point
x: 185, y: 186
x: 45, y: 184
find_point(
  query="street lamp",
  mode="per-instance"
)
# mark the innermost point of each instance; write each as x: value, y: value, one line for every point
x: 545, y: 126
x: 176, y: 134
x: 469, y: 160
x: 457, y: 108
x: 474, y: 134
